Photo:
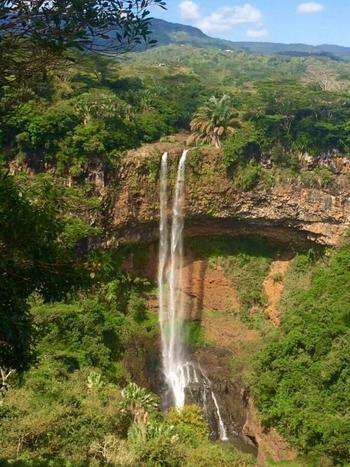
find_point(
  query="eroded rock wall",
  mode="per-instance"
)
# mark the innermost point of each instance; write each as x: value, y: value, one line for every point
x: 211, y: 298
x: 285, y: 211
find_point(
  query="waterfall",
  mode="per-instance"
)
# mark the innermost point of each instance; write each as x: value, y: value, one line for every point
x: 222, y: 428
x: 179, y: 371
x: 169, y: 279
x: 170, y: 306
x: 163, y: 252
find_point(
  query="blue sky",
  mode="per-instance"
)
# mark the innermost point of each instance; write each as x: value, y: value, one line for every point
x: 311, y: 22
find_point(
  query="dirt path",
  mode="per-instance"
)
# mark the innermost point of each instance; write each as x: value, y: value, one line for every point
x: 273, y: 287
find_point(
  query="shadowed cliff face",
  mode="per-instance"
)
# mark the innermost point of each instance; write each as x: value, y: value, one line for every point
x: 210, y: 298
x: 286, y: 212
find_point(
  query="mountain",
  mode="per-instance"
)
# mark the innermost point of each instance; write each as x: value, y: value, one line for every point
x: 167, y: 33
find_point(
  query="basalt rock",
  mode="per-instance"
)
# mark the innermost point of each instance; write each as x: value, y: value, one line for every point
x: 237, y: 409
x: 288, y: 211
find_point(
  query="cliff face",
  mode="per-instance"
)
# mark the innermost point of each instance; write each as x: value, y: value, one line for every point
x: 287, y: 211
x: 209, y: 296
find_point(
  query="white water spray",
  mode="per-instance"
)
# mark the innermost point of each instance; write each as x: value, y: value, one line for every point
x: 163, y: 251
x: 222, y: 428
x: 169, y: 278
x: 179, y: 371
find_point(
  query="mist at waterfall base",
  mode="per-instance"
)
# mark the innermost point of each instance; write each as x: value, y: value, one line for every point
x: 184, y: 378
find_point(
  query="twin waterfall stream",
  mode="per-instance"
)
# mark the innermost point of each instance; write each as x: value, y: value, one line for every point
x: 183, y: 376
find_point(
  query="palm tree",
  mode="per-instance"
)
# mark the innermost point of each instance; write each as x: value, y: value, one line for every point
x: 213, y: 121
x: 137, y: 402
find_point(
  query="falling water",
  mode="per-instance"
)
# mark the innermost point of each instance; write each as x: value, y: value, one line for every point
x: 163, y: 254
x: 173, y: 346
x: 222, y: 428
x: 208, y: 388
x: 179, y: 371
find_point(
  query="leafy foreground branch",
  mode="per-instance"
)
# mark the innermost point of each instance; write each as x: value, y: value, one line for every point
x: 59, y: 24
x: 35, y: 35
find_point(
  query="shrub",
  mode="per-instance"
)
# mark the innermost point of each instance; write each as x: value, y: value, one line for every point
x: 56, y: 416
x: 189, y: 422
x: 247, y: 177
x: 156, y: 444
x: 153, y: 167
x: 137, y: 308
x: 242, y: 147
x: 113, y: 451
x: 193, y: 333
x: 195, y: 160
x: 302, y: 376
x: 277, y: 277
x: 208, y: 455
x: 317, y: 178
x: 79, y: 335
x: 138, y: 403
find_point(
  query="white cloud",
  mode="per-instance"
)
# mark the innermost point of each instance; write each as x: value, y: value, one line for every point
x: 189, y: 10
x: 257, y: 33
x: 310, y: 7
x: 223, y: 19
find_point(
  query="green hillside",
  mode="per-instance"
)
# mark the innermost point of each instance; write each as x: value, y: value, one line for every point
x: 172, y: 33
x: 226, y: 69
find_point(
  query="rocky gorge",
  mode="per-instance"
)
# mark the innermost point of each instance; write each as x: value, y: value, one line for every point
x: 287, y: 213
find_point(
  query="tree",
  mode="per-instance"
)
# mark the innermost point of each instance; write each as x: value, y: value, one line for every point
x: 64, y: 23
x: 101, y: 105
x: 33, y: 258
x: 34, y: 34
x: 302, y: 375
x: 212, y: 122
x: 138, y: 402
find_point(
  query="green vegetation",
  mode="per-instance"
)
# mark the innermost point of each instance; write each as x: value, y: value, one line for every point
x: 69, y: 407
x: 273, y: 118
x: 241, y: 68
x: 34, y: 37
x: 172, y: 33
x: 300, y: 371
x: 76, y: 403
x: 302, y: 375
x: 288, y: 118
x: 194, y: 334
x: 38, y: 244
x: 248, y: 176
x: 76, y: 331
x: 89, y: 109
x: 88, y: 114
x: 214, y: 121
x: 300, y: 378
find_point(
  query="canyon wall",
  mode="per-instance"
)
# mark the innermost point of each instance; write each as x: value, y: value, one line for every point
x: 283, y: 208
x: 211, y: 298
